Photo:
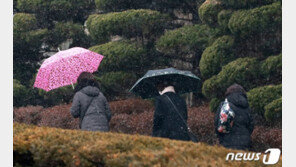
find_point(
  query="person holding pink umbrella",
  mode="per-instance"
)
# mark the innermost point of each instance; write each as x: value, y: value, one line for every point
x: 90, y: 104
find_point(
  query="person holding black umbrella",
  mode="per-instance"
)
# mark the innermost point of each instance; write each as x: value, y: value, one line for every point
x: 170, y: 116
x: 170, y: 109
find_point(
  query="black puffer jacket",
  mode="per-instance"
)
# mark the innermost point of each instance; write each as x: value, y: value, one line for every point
x: 240, y: 135
x: 167, y: 123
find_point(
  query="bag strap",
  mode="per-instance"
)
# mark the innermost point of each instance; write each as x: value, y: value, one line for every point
x: 178, y: 112
x: 83, y: 113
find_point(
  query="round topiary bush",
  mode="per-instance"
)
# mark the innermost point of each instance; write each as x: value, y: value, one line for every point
x: 58, y: 10
x: 243, y: 71
x: 115, y: 5
x: 271, y: 69
x: 223, y: 19
x: 121, y: 55
x: 56, y: 96
x: 239, y: 4
x: 186, y: 40
x: 130, y: 23
x: 116, y: 83
x: 261, y: 96
x: 216, y: 56
x: 20, y: 94
x: 208, y: 11
x: 214, y: 104
x: 273, y: 111
x: 68, y: 30
x: 258, y: 20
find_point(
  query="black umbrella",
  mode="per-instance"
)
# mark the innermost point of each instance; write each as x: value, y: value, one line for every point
x: 184, y: 82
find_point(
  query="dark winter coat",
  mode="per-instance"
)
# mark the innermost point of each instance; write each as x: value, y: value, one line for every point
x: 167, y: 123
x: 98, y: 113
x: 240, y: 135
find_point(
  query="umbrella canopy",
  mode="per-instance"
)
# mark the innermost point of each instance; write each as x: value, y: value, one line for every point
x: 184, y: 82
x: 64, y: 67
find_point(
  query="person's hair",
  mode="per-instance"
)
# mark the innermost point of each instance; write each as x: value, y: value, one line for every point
x: 86, y: 79
x: 235, y: 88
x: 163, y: 84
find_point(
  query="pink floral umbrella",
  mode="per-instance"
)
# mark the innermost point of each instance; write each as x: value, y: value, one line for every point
x: 64, y: 67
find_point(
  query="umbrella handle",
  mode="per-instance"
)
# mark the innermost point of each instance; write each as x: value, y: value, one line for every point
x: 72, y: 85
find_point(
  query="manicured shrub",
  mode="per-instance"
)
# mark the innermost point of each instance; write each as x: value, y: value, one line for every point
x: 129, y: 106
x: 120, y: 56
x: 20, y: 94
x: 271, y: 68
x: 43, y: 146
x: 223, y: 19
x: 28, y: 114
x: 264, y: 138
x: 214, y: 104
x: 115, y: 5
x: 58, y: 10
x: 258, y: 20
x: 217, y: 55
x: 208, y: 11
x: 243, y: 71
x: 130, y: 23
x: 68, y: 30
x: 58, y: 116
x: 189, y: 39
x: 261, y: 96
x: 239, y: 4
x: 56, y: 96
x: 116, y: 84
x: 273, y: 111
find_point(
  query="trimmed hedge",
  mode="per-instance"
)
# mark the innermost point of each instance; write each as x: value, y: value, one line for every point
x: 258, y: 20
x: 185, y: 40
x: 121, y: 56
x: 117, y: 83
x: 56, y: 96
x: 261, y: 96
x: 239, y: 4
x: 68, y: 30
x: 217, y: 55
x: 43, y: 146
x: 130, y: 23
x: 58, y: 10
x: 20, y: 93
x: 243, y: 71
x: 223, y: 19
x: 115, y: 5
x: 273, y: 111
x: 214, y: 104
x: 208, y: 12
x: 271, y: 68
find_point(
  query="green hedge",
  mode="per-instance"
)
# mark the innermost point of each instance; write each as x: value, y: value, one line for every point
x: 121, y: 56
x: 271, y: 68
x: 56, y: 96
x: 239, y: 4
x: 243, y: 71
x: 185, y: 40
x: 273, y: 111
x: 258, y: 20
x: 49, y: 10
x: 44, y: 146
x: 20, y: 94
x: 117, y: 83
x: 261, y: 96
x: 116, y: 5
x: 214, y: 104
x: 130, y: 23
x: 68, y: 30
x: 223, y: 19
x: 217, y: 55
x: 208, y: 12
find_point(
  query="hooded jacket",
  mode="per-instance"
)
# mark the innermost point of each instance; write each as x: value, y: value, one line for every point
x: 240, y: 134
x: 97, y: 112
x: 166, y: 122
